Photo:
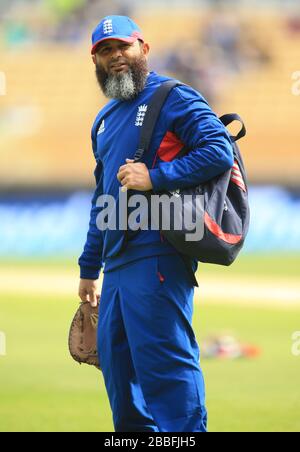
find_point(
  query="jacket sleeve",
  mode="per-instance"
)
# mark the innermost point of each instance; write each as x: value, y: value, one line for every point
x: 90, y: 261
x: 202, y: 132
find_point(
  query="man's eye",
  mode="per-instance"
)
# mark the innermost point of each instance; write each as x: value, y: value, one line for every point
x: 105, y: 50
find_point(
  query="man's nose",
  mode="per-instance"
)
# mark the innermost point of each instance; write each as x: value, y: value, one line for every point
x: 116, y: 53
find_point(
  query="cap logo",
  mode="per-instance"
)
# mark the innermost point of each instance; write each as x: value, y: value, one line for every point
x: 107, y: 27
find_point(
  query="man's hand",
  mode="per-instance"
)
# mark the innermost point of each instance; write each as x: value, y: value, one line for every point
x: 88, y: 292
x: 134, y: 176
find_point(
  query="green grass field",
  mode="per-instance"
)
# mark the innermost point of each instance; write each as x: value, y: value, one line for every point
x: 41, y: 389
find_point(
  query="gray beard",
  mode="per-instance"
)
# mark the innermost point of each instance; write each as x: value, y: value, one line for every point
x: 120, y: 86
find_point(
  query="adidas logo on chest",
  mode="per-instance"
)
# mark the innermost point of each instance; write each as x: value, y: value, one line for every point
x: 101, y: 128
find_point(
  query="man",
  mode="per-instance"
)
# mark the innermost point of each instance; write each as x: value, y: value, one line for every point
x: 146, y: 344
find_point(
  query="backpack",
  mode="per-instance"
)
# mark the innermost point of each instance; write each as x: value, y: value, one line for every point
x: 226, y: 212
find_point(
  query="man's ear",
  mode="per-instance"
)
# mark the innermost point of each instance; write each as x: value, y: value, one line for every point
x: 146, y: 48
x: 94, y: 59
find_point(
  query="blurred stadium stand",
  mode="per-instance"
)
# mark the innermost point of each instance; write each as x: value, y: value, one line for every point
x: 241, y: 58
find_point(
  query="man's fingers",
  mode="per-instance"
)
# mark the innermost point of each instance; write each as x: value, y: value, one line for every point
x: 120, y: 173
x: 126, y: 182
x: 89, y: 297
x: 83, y: 296
x: 124, y: 169
x: 88, y: 291
x: 123, y: 172
x: 127, y: 176
x: 93, y: 299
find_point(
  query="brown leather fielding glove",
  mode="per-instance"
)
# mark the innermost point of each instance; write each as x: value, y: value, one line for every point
x: 83, y: 335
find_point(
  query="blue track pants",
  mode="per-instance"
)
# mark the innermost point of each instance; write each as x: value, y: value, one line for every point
x: 147, y: 347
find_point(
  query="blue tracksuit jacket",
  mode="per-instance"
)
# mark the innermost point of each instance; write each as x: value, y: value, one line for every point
x: 185, y: 120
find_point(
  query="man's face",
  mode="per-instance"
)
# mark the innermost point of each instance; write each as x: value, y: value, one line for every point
x: 121, y: 68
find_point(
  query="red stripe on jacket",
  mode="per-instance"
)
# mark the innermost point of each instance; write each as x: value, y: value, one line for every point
x: 170, y: 146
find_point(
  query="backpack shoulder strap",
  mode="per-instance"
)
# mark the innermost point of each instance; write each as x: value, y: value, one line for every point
x: 157, y: 102
x: 228, y: 119
x: 153, y: 112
